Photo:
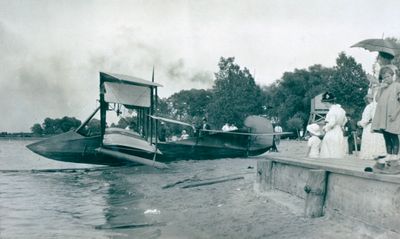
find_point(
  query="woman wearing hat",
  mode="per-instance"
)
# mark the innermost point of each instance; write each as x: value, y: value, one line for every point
x: 387, y: 116
x: 333, y: 144
x: 372, y: 144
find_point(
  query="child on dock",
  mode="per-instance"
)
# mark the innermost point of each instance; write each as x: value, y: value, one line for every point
x: 314, y: 141
x: 387, y: 116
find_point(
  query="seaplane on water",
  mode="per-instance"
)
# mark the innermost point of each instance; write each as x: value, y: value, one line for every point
x: 115, y: 146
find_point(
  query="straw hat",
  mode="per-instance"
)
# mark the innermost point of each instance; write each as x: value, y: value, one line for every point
x: 314, y: 129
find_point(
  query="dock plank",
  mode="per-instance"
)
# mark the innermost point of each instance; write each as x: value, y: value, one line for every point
x: 352, y: 167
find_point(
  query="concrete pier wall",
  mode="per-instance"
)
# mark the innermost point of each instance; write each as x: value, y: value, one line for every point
x: 289, y: 178
x: 373, y: 198
x: 374, y: 201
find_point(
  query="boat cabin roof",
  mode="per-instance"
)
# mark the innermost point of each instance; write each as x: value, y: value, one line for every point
x: 127, y: 90
x: 125, y: 79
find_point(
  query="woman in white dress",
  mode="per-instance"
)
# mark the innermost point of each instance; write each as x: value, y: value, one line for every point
x: 333, y: 144
x: 372, y: 144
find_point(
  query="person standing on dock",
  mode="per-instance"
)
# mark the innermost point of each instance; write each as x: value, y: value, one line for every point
x: 387, y: 116
x: 349, y: 132
x: 333, y: 144
x: 278, y: 129
x: 372, y: 144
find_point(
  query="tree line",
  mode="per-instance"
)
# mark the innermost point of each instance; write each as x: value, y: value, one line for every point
x: 55, y: 126
x: 287, y: 101
x: 235, y: 95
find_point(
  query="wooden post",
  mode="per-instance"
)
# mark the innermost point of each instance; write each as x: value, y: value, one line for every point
x: 316, y: 190
x: 264, y: 174
x: 151, y: 112
x: 103, y: 108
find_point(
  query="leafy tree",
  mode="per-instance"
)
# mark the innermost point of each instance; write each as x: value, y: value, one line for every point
x: 189, y: 104
x: 295, y: 124
x: 93, y: 127
x: 186, y: 105
x: 68, y: 123
x: 235, y: 95
x: 349, y: 84
x: 49, y: 126
x: 56, y: 126
x: 37, y: 130
x: 291, y: 96
x: 124, y: 122
x: 162, y: 107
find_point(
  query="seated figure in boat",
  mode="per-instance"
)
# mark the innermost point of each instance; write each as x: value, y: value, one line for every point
x: 205, y: 126
x: 163, y: 132
x: 229, y: 127
x: 184, y: 135
x: 226, y: 127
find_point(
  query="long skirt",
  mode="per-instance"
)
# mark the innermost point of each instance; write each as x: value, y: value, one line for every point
x: 372, y: 144
x: 333, y: 145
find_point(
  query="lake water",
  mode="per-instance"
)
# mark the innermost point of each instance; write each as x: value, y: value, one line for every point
x: 42, y: 198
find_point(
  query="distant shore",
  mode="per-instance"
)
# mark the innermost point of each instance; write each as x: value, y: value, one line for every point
x: 19, y: 137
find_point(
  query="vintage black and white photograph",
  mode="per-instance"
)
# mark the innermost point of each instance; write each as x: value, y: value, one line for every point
x: 184, y: 119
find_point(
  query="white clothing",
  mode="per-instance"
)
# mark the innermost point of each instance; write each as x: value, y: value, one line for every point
x: 233, y: 127
x: 372, y: 144
x: 314, y: 144
x: 226, y: 127
x: 278, y: 129
x: 333, y: 145
x: 184, y: 136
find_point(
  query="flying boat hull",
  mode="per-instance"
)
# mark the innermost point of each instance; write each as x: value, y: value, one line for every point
x: 75, y: 148
x: 213, y: 146
x: 119, y: 146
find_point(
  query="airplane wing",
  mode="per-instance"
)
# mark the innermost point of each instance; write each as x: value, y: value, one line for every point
x: 244, y: 133
x: 217, y: 131
x: 171, y: 120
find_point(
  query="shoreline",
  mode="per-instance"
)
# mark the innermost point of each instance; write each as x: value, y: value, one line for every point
x: 23, y: 137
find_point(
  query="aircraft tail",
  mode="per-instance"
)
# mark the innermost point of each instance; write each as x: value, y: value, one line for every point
x: 260, y: 125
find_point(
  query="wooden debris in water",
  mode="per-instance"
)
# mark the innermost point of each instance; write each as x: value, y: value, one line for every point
x: 211, y: 181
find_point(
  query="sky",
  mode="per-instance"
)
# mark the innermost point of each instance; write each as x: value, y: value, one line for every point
x: 51, y: 52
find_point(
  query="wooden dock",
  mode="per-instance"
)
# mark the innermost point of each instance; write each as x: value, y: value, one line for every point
x: 334, y: 186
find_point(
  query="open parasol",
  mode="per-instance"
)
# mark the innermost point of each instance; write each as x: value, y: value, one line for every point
x: 380, y: 45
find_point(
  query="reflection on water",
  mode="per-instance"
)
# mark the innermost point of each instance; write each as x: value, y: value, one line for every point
x: 82, y: 203
x: 50, y: 205
x: 63, y: 200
